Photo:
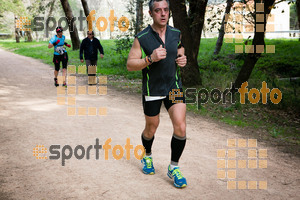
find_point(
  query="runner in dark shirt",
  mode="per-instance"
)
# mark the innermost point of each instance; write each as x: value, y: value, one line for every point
x: 157, y: 51
x: 89, y: 47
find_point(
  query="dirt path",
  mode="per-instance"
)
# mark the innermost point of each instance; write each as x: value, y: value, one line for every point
x: 30, y: 116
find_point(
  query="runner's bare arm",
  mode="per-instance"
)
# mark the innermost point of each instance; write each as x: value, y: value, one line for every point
x: 135, y: 61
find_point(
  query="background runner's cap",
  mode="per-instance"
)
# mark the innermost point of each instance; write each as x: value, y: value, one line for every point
x: 59, y: 29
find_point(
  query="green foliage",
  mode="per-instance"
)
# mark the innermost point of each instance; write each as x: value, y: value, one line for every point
x: 275, y: 133
x: 283, y: 64
x: 37, y: 8
x: 230, y: 121
x: 7, y: 7
x: 14, y: 6
x: 123, y: 44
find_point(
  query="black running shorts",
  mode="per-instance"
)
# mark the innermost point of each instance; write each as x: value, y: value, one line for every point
x: 60, y: 58
x: 152, y: 108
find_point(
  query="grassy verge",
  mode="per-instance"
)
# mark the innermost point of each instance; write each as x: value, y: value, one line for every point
x: 280, y: 122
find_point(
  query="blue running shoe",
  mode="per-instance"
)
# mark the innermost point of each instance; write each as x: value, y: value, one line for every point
x: 148, y: 165
x: 179, y: 180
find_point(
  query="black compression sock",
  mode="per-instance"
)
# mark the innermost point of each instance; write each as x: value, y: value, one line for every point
x: 177, y: 146
x: 147, y: 143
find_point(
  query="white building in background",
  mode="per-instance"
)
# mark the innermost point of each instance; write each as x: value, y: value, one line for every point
x: 278, y: 24
x: 281, y: 21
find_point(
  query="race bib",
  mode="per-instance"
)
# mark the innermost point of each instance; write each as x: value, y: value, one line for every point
x: 60, y: 50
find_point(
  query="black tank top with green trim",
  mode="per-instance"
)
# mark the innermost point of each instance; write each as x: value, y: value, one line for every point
x: 161, y: 77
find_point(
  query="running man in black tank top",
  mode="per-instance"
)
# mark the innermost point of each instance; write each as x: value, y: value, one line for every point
x: 157, y: 51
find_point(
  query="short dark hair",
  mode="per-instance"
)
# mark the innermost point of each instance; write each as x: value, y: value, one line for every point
x: 151, y: 3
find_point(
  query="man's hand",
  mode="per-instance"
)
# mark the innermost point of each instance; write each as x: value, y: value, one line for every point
x: 181, y: 60
x: 101, y: 56
x: 81, y: 60
x: 159, y: 54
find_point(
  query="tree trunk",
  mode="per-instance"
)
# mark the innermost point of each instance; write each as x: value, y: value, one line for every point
x: 17, y: 32
x: 85, y: 8
x: 72, y: 26
x: 139, y: 16
x: 29, y: 36
x: 190, y: 24
x: 258, y: 39
x: 37, y: 36
x: 17, y: 35
x: 49, y: 15
x: 86, y: 13
x: 298, y: 14
x: 222, y: 31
